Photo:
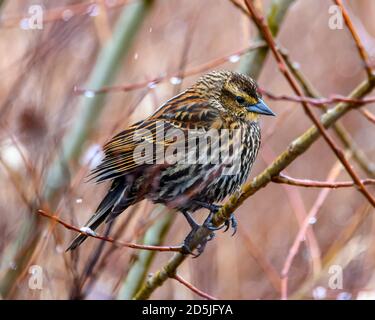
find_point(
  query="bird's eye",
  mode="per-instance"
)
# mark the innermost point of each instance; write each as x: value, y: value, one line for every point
x: 240, y: 100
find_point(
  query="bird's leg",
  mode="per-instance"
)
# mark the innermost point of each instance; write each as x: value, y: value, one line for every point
x: 193, y: 224
x: 214, y: 208
x: 210, y: 206
x: 194, y: 228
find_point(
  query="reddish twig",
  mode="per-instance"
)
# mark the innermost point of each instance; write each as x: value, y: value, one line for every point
x: 193, y: 71
x: 318, y: 102
x: 361, y: 50
x: 298, y: 206
x: 281, y: 178
x: 302, y: 232
x: 192, y: 288
x: 63, y: 13
x: 239, y: 6
x: 109, y: 239
x: 257, y: 254
x: 264, y: 29
x: 368, y: 114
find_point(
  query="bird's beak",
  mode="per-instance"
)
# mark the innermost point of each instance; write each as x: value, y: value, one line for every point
x: 260, y: 108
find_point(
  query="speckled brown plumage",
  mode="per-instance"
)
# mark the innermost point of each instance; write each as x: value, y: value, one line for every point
x: 220, y: 101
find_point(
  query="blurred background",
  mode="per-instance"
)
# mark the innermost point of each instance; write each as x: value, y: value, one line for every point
x: 53, y: 122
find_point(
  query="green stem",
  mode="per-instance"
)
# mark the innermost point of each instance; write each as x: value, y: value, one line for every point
x: 138, y: 272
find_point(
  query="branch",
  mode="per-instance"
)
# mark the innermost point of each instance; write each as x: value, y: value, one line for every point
x: 109, y: 239
x: 361, y: 50
x: 180, y: 74
x: 138, y: 271
x: 369, y: 115
x: 281, y: 178
x: 257, y: 254
x: 253, y: 62
x: 56, y: 14
x: 294, y: 150
x: 318, y: 102
x: 345, y: 137
x: 264, y: 29
x: 303, y: 229
x: 352, y: 226
x: 192, y: 288
x: 297, y: 204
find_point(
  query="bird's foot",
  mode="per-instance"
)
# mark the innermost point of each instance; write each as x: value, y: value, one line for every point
x: 195, y: 227
x: 188, y: 242
x: 214, y: 208
x: 193, y: 224
x: 208, y: 222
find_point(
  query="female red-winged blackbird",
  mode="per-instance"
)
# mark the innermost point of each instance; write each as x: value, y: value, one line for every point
x: 193, y: 151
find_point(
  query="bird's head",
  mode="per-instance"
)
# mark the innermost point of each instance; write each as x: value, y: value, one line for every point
x: 237, y: 93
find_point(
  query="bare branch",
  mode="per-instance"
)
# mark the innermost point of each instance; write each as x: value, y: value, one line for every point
x: 281, y: 178
x: 108, y: 239
x: 335, y: 171
x: 181, y: 74
x: 361, y: 49
x: 192, y: 288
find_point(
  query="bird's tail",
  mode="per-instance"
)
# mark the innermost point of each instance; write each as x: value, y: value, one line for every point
x: 112, y: 205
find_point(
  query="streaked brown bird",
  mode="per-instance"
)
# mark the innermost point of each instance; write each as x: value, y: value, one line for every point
x: 195, y: 150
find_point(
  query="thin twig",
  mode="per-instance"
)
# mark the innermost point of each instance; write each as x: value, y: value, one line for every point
x: 109, y: 239
x: 361, y: 49
x: 156, y: 80
x: 302, y: 231
x: 318, y: 102
x: 342, y: 133
x: 282, y: 178
x: 299, y: 208
x: 257, y: 254
x: 351, y: 227
x: 193, y: 288
x: 64, y: 13
x: 369, y: 115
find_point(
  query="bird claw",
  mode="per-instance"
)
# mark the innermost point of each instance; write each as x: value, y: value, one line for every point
x: 208, y: 223
x: 200, y: 249
x: 231, y: 223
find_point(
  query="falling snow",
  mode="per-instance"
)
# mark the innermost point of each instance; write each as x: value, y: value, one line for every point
x: 234, y: 58
x: 175, y: 80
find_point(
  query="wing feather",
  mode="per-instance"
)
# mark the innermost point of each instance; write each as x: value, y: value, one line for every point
x: 181, y: 112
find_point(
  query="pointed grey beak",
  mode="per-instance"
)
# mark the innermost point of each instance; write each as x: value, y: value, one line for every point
x: 260, y: 108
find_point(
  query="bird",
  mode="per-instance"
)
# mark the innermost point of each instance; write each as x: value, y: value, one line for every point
x: 191, y: 153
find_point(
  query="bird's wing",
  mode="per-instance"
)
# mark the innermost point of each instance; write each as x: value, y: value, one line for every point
x: 181, y: 112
